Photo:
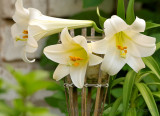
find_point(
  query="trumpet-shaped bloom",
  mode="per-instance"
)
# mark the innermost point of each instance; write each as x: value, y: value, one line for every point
x: 31, y: 25
x: 73, y: 56
x: 123, y: 44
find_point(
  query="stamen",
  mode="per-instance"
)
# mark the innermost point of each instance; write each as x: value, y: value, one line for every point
x: 76, y: 64
x: 120, y: 40
x: 19, y: 39
x: 25, y: 32
x: 125, y: 47
x: 125, y: 51
x: 78, y: 58
x: 26, y: 36
x: 75, y: 60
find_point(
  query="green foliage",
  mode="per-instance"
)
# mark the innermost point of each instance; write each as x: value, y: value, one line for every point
x: 57, y: 100
x: 27, y: 85
x: 101, y: 19
x: 152, y: 64
x: 30, y: 83
x: 91, y: 3
x: 115, y: 106
x: 127, y: 90
x: 158, y: 46
x: 150, y: 25
x: 148, y: 97
x: 121, y: 9
x: 130, y: 17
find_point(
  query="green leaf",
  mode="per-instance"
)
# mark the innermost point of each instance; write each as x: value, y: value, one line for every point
x: 131, y: 112
x: 130, y: 17
x: 127, y: 90
x: 152, y: 64
x: 115, y: 106
x: 158, y: 46
x: 153, y: 83
x: 141, y: 75
x: 150, y: 25
x: 121, y: 9
x: 91, y: 3
x: 117, y: 92
x: 117, y: 81
x: 148, y: 97
x: 101, y: 19
x: 157, y: 94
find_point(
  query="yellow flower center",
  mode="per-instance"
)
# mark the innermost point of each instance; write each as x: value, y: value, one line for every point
x: 24, y: 36
x: 120, y: 43
x: 75, y: 60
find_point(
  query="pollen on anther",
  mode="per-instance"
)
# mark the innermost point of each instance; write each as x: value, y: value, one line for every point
x: 26, y: 36
x: 125, y: 51
x: 125, y: 47
x: 25, y: 32
x: 72, y: 58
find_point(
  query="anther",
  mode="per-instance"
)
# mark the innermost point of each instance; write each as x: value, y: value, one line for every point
x: 125, y: 51
x: 26, y: 36
x: 76, y: 64
x: 25, y: 32
x: 125, y: 47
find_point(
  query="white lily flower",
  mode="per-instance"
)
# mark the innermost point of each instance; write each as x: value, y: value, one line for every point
x: 123, y: 44
x: 74, y: 56
x: 31, y: 25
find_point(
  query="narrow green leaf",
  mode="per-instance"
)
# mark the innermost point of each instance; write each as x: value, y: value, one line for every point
x: 158, y: 46
x: 130, y: 17
x: 91, y: 3
x: 131, y: 112
x: 150, y: 25
x: 121, y: 9
x: 127, y: 90
x: 148, y: 97
x: 117, y: 81
x: 157, y: 94
x: 154, y: 83
x: 141, y: 75
x: 152, y: 64
x: 115, y: 106
x: 101, y: 19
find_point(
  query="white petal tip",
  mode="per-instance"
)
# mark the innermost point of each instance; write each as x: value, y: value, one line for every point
x: 25, y: 59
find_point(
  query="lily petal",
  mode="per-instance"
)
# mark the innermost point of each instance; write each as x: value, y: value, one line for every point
x: 66, y: 37
x: 111, y: 27
x: 81, y: 40
x: 37, y: 32
x: 21, y: 14
x: 141, y: 45
x: 24, y: 57
x: 135, y: 63
x: 57, y: 53
x: 112, y: 63
x: 34, y: 13
x: 104, y: 45
x: 60, y: 72
x: 78, y: 75
x: 16, y: 30
x: 31, y: 45
x: 139, y: 25
x: 94, y: 60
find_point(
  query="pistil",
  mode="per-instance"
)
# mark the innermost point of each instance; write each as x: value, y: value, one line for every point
x: 120, y: 40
